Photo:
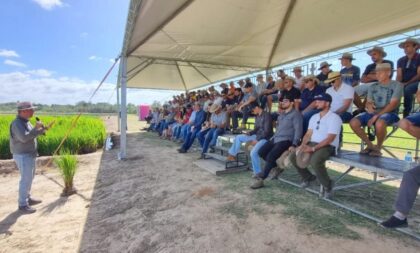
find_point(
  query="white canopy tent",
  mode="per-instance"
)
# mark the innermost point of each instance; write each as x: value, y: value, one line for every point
x: 186, y: 44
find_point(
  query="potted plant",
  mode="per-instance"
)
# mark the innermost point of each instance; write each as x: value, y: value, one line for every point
x: 67, y: 164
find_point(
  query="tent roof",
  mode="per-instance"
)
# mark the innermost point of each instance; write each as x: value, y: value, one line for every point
x: 185, y: 44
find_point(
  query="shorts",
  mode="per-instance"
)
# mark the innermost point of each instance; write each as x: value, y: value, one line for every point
x: 389, y: 118
x: 414, y: 118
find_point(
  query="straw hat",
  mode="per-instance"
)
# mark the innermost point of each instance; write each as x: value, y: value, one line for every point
x: 377, y: 49
x: 302, y: 158
x: 283, y: 162
x: 409, y: 40
x: 332, y: 76
x: 347, y: 56
x: 214, y: 107
x: 311, y: 77
x: 382, y: 66
x: 323, y: 65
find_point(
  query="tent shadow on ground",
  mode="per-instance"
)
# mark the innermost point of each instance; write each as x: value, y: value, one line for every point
x: 110, y: 198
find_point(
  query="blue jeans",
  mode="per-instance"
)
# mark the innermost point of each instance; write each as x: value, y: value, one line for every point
x: 409, y: 90
x: 189, y: 139
x: 210, y: 138
x: 306, y: 117
x: 255, y: 158
x: 236, y: 146
x: 164, y: 126
x: 26, y: 165
x: 184, y: 131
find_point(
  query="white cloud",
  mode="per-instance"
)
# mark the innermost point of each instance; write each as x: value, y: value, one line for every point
x: 8, y: 53
x: 94, y: 58
x: 49, y: 4
x: 14, y: 63
x: 40, y: 72
x: 19, y: 86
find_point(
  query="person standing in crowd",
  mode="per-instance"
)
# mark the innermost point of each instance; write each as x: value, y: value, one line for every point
x: 408, y: 72
x: 324, y: 67
x: 297, y: 71
x: 23, y: 145
x: 350, y: 74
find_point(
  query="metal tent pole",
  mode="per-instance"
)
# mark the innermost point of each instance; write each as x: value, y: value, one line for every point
x: 123, y: 110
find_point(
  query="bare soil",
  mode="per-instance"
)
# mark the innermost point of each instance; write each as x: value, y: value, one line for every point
x: 157, y: 201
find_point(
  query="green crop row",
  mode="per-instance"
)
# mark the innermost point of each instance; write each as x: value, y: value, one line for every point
x: 87, y: 136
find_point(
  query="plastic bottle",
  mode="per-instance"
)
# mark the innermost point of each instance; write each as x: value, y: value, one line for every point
x: 408, y: 159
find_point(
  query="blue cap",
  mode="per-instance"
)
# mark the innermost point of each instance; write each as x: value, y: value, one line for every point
x: 323, y: 97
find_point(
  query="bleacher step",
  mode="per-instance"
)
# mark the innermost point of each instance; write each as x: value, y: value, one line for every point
x: 226, y: 149
x: 217, y: 168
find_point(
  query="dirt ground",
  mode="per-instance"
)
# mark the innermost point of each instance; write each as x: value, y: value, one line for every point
x: 157, y: 201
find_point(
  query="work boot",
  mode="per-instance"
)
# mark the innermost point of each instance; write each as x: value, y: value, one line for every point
x: 394, y: 222
x: 258, y: 183
x: 306, y: 183
x: 231, y: 158
x: 33, y: 201
x: 27, y: 209
x: 276, y: 172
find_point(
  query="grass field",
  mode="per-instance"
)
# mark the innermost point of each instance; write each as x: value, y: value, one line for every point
x: 88, y: 135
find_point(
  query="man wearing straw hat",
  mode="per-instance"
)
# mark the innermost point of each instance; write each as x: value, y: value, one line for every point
x: 408, y: 72
x: 217, y: 127
x: 23, y: 145
x: 324, y: 67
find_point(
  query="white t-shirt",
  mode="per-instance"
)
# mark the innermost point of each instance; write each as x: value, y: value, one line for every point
x: 321, y: 127
x: 299, y: 83
x: 338, y: 97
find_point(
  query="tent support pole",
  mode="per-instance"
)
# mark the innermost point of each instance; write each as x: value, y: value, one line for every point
x: 123, y: 137
x: 141, y: 69
x: 138, y: 65
x: 281, y: 31
x: 201, y: 73
x: 228, y: 66
x: 118, y: 107
x: 182, y: 77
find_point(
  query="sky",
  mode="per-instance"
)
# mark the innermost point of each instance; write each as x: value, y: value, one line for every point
x: 57, y: 51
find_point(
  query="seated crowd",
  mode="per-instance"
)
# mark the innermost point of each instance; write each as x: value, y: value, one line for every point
x: 309, y: 119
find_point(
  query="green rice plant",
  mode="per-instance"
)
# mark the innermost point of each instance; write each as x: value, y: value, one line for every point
x: 67, y: 164
x: 88, y: 135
